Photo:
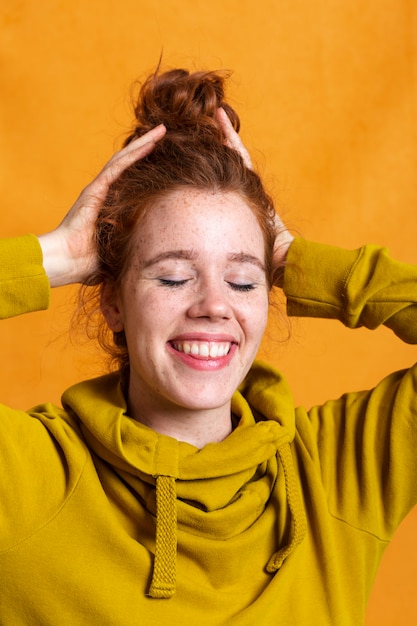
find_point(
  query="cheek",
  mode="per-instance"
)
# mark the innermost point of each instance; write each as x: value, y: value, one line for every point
x: 147, y: 316
x: 254, y: 317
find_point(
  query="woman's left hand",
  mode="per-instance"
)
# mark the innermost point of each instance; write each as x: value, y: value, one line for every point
x: 284, y: 237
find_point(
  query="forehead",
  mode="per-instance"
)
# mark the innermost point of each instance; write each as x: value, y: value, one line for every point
x: 219, y: 220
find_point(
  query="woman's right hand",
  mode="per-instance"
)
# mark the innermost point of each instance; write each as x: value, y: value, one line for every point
x: 69, y: 252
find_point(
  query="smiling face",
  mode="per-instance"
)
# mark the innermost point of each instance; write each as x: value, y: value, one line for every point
x: 193, y: 303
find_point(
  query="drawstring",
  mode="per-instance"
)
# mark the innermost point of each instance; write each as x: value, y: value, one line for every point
x: 163, y: 583
x: 298, y: 526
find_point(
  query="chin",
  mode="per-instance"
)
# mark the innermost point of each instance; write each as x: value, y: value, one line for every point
x: 204, y: 402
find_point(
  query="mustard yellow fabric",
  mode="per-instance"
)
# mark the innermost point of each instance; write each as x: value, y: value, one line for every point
x: 103, y: 521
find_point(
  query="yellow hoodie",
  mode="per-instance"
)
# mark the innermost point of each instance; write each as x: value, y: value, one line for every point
x: 103, y: 521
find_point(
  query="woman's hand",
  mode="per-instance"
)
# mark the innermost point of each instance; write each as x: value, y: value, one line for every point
x: 232, y: 139
x: 284, y: 237
x: 69, y: 253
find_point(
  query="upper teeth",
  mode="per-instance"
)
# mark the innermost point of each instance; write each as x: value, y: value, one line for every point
x: 203, y: 348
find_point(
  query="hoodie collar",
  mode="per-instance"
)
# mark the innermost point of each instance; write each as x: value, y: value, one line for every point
x: 148, y: 460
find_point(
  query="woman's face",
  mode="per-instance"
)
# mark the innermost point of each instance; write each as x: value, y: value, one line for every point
x: 194, y: 301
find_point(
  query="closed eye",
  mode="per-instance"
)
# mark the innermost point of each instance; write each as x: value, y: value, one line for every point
x: 241, y: 287
x: 169, y: 282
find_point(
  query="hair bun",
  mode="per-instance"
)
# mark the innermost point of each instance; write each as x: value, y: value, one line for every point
x: 186, y: 103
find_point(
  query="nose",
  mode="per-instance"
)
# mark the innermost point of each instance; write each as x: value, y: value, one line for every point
x: 211, y: 301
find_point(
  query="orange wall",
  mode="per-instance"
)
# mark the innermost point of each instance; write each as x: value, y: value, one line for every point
x: 327, y: 93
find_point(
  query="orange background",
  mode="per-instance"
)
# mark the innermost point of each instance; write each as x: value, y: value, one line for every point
x: 327, y: 93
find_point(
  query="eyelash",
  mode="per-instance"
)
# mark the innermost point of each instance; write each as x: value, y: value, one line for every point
x: 244, y: 287
x: 168, y: 282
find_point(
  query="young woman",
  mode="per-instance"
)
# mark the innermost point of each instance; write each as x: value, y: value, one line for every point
x: 185, y: 486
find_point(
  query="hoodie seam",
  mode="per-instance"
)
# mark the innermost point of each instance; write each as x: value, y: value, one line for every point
x: 358, y: 528
x: 53, y: 516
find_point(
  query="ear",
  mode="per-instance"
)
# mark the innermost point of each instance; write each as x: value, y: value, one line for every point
x: 110, y: 308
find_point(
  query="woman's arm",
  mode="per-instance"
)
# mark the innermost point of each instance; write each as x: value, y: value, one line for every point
x: 364, y: 443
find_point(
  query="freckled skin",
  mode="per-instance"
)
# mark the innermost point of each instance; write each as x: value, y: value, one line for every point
x: 213, y: 286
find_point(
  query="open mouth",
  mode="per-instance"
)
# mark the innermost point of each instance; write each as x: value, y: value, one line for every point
x: 203, y: 349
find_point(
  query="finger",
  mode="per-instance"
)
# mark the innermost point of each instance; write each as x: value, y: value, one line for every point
x: 153, y: 135
x: 227, y: 128
x: 137, y: 149
x: 232, y: 139
x: 140, y: 145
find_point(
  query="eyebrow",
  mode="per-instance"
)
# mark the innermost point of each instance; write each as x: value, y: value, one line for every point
x: 192, y: 255
x: 244, y: 257
x: 187, y: 255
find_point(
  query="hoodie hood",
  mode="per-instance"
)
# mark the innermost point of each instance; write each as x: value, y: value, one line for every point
x: 217, y: 492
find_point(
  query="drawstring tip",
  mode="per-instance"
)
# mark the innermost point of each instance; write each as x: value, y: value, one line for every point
x: 161, y: 591
x: 276, y: 561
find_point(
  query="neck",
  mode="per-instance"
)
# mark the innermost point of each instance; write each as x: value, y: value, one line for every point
x: 197, y: 427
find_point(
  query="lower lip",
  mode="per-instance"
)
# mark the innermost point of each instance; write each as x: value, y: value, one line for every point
x: 204, y: 364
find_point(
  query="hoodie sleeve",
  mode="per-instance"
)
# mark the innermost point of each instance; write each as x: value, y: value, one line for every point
x: 363, y: 287
x: 24, y: 286
x: 364, y: 444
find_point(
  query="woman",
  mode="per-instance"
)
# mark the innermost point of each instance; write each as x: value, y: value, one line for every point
x: 185, y: 486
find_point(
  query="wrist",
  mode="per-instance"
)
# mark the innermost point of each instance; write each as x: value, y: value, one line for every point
x: 281, y: 248
x: 57, y: 263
